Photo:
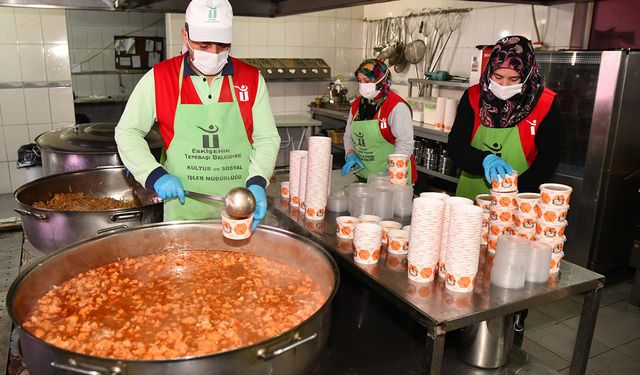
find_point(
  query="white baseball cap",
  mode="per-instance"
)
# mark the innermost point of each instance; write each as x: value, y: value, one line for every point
x: 210, y: 21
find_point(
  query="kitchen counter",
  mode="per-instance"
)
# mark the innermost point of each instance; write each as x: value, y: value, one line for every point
x: 438, y: 310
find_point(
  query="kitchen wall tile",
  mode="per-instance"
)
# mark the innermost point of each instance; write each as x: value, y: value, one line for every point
x: 112, y: 85
x: 3, y: 149
x: 504, y: 21
x: 259, y: 32
x: 240, y: 51
x: 5, y: 179
x: 37, y: 129
x: 37, y: 103
x: 523, y: 24
x: 484, y: 27
x: 14, y: 137
x: 83, y: 86
x: 343, y: 33
x: 327, y: 32
x: 278, y: 104
x: 292, y: 51
x: 331, y: 13
x: 57, y: 62
x: 328, y: 54
x: 123, y: 20
x: 61, y: 101
x: 276, y: 88
x: 54, y: 26
x: 293, y: 27
x: 357, y: 34
x: 135, y: 18
x: 96, y: 64
x: 276, y: 31
x: 107, y: 35
x: 310, y: 32
x: 8, y: 22
x: 98, y: 86
x: 12, y: 107
x: 107, y: 18
x: 80, y: 36
x: 550, y: 27
x: 150, y: 18
x: 343, y: 12
x: 467, y: 30
x: 275, y: 51
x: 564, y: 25
x: 32, y: 63
x: 241, y: 31
x: 28, y: 25
x: 94, y: 37
x: 10, y: 71
x: 18, y: 176
x: 343, y: 64
x: 109, y: 59
x: 92, y: 18
x: 259, y: 51
x: 127, y: 83
x: 81, y: 56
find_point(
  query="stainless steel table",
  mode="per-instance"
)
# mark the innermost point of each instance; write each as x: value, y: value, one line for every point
x: 438, y: 309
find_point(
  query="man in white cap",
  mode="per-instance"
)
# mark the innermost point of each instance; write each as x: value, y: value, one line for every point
x: 214, y: 115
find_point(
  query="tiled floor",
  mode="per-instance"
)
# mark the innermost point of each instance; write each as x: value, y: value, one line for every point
x: 551, y: 329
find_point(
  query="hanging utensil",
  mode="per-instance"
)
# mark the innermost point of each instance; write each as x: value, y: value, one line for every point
x: 454, y: 22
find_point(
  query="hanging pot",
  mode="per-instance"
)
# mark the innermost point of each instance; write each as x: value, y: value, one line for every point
x: 85, y: 146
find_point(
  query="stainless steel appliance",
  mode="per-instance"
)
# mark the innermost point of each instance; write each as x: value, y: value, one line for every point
x: 295, y: 351
x: 599, y: 93
x: 49, y: 230
x: 85, y: 146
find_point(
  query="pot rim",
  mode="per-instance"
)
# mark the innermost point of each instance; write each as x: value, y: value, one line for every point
x: 17, y: 282
x: 41, y: 180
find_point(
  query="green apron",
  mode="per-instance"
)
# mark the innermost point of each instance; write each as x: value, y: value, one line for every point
x: 372, y: 148
x: 503, y: 142
x: 209, y: 154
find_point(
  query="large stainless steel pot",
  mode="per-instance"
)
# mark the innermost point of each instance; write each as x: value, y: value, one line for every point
x: 85, y: 146
x: 49, y: 230
x: 293, y: 352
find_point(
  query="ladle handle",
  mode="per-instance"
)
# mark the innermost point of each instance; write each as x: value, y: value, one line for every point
x: 195, y: 194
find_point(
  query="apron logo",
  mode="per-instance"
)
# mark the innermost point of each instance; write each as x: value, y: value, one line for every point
x: 383, y: 123
x: 496, y: 148
x: 210, y: 140
x: 360, y: 139
x: 244, y: 92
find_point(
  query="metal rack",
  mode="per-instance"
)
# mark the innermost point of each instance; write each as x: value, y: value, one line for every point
x: 432, y: 82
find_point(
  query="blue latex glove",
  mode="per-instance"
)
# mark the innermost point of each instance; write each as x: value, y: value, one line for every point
x: 169, y: 186
x: 261, y: 204
x: 352, y: 160
x: 493, y: 166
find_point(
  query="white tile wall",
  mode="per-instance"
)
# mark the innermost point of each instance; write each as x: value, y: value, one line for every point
x: 33, y: 48
x: 310, y: 35
x: 91, y: 39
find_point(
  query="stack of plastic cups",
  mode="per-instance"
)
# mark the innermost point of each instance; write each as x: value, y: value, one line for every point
x: 434, y: 195
x: 345, y: 225
x: 284, y: 190
x: 442, y: 258
x: 503, y: 206
x: 424, y: 239
x: 378, y: 179
x: 463, y: 251
x: 402, y: 200
x: 318, y: 171
x: 384, y: 197
x: 398, y: 168
x: 366, y: 243
x: 484, y: 201
x: 303, y: 182
x: 524, y: 218
x: 551, y: 211
x: 511, y: 262
x: 361, y: 200
x: 539, y: 263
x: 294, y: 176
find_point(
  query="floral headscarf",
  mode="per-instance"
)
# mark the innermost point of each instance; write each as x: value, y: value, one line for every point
x: 374, y: 69
x: 515, y: 52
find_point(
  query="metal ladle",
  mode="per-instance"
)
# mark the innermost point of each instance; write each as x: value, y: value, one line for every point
x: 239, y: 203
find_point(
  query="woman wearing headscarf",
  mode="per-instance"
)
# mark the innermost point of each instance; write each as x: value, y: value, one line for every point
x: 509, y: 121
x: 379, y: 123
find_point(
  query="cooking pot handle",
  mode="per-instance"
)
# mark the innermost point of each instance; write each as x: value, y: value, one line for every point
x: 117, y: 228
x: 98, y: 370
x: 126, y: 216
x: 36, y: 215
x: 264, y: 355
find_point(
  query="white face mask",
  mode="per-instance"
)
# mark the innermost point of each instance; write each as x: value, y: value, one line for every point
x: 368, y: 90
x: 507, y: 92
x: 209, y: 63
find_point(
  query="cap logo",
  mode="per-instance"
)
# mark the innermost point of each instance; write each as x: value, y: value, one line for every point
x: 212, y: 16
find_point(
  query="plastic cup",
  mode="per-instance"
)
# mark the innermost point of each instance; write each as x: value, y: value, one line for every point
x: 554, y: 265
x: 345, y: 225
x: 371, y: 219
x: 526, y: 201
x: 398, y: 241
x: 539, y: 261
x: 387, y: 225
x: 552, y: 214
x: 460, y: 282
x: 384, y: 199
x: 503, y: 199
x: 236, y: 229
x: 506, y: 184
x: 555, y: 194
x: 421, y: 272
x: 550, y: 230
x: 434, y: 195
x: 361, y: 204
x: 484, y: 201
x: 399, y: 161
x: 284, y: 189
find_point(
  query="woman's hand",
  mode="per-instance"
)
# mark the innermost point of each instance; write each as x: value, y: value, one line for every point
x: 494, y: 166
x: 352, y: 160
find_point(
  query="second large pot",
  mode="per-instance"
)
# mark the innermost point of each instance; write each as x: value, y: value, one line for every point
x: 49, y: 230
x: 295, y: 351
x: 85, y: 146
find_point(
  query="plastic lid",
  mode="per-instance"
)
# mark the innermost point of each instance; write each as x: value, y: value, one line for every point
x: 97, y: 137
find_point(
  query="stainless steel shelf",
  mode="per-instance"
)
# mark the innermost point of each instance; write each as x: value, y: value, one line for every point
x: 439, y: 83
x: 437, y: 174
x: 429, y: 132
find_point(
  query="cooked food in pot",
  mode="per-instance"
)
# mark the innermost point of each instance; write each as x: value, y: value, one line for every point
x: 82, y: 202
x: 174, y: 304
